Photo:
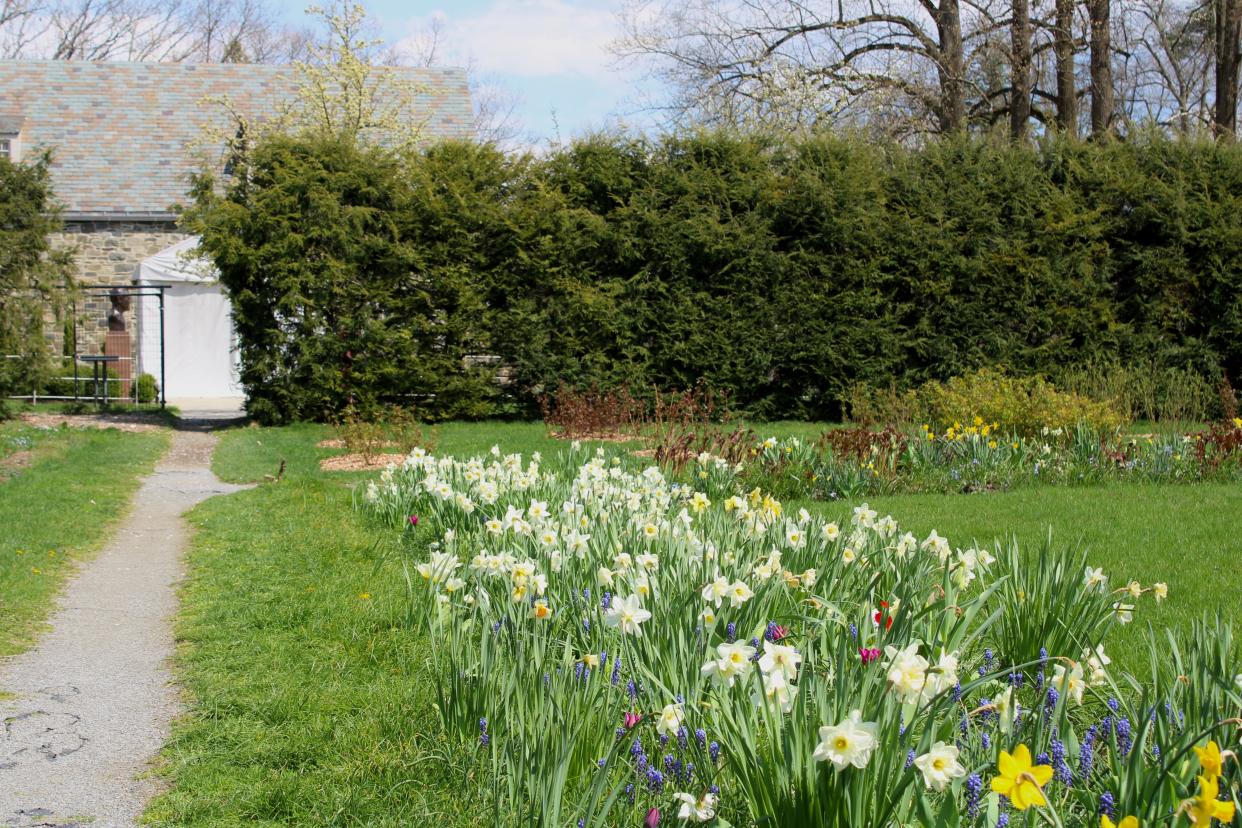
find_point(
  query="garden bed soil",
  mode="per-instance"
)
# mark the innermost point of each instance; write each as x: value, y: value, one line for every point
x: 337, y: 443
x: 359, y: 462
x: 122, y: 422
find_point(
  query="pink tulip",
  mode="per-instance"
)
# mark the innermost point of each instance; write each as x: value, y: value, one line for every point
x: 653, y: 818
x: 632, y: 719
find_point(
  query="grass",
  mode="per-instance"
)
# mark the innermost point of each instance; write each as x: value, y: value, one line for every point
x: 309, y: 706
x: 1186, y: 535
x: 56, y: 510
x: 310, y: 700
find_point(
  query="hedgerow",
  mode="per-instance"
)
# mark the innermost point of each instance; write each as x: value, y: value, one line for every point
x: 783, y: 273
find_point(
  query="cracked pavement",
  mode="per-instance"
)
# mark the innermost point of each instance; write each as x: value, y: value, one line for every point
x: 94, y: 700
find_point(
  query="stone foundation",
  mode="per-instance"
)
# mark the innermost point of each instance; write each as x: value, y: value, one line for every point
x: 108, y: 253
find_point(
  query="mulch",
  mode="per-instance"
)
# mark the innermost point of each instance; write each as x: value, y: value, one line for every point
x: 123, y: 422
x: 359, y: 462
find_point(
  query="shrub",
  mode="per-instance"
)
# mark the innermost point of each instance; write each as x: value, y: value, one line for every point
x: 34, y: 279
x: 1024, y: 405
x: 146, y: 388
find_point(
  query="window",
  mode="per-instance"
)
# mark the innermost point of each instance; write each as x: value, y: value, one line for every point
x: 6, y: 148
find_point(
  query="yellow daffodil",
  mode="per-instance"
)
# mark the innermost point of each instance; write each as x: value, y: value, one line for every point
x: 1126, y: 822
x: 1210, y: 759
x: 1020, y: 780
x: 1205, y: 807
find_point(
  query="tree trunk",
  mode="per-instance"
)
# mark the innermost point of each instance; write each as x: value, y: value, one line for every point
x: 1228, y: 33
x: 1067, y: 85
x: 951, y: 68
x: 1101, y: 68
x: 1020, y: 97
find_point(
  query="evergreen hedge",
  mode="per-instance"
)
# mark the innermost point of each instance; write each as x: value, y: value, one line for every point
x: 782, y: 272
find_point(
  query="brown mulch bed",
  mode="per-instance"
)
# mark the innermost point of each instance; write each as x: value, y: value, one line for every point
x: 599, y: 437
x: 123, y: 422
x: 358, y: 462
x: 336, y: 443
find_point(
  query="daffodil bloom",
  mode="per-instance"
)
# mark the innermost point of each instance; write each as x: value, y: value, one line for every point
x: 831, y: 531
x: 732, y: 662
x: 716, y: 591
x: 1020, y: 780
x: 626, y: 614
x: 1069, y: 682
x: 1205, y: 807
x: 1095, y: 579
x: 849, y: 743
x: 1124, y: 612
x: 1160, y: 590
x: 702, y: 809
x: 739, y: 594
x: 670, y: 720
x: 777, y: 658
x: 939, y: 766
x: 1126, y: 822
x: 1210, y: 759
x: 541, y: 610
x: 1135, y: 589
x: 907, y: 671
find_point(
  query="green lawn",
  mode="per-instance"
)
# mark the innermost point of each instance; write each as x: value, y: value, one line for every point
x: 309, y: 702
x: 1186, y: 535
x: 58, y: 508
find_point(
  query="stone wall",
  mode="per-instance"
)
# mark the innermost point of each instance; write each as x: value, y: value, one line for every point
x: 106, y: 253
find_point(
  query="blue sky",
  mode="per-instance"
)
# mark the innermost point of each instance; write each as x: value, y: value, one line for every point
x: 550, y: 55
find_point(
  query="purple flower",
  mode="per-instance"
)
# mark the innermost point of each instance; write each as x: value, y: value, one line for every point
x: 974, y: 786
x: 714, y: 750
x: 730, y: 632
x: 1108, y: 805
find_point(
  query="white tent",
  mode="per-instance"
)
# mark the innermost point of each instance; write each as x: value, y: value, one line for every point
x: 200, y: 349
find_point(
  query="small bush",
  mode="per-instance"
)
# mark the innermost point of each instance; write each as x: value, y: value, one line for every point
x: 576, y: 413
x: 393, y: 427
x: 146, y: 388
x: 1023, y: 405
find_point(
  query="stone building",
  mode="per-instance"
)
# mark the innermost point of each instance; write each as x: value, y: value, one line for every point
x: 126, y: 137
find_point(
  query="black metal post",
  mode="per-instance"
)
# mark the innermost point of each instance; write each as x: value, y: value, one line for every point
x: 74, y: 311
x: 163, y: 385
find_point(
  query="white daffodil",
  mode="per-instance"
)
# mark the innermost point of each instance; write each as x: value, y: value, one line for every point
x: 944, y: 675
x: 1096, y: 662
x: 1095, y: 579
x: 849, y: 743
x: 732, y: 662
x: 1069, y: 682
x: 626, y: 614
x: 1160, y: 590
x: 831, y: 532
x: 670, y: 720
x: 939, y: 766
x: 739, y: 594
x: 907, y: 671
x: 702, y: 809
x: 716, y: 591
x: 1124, y: 612
x: 778, y: 693
x: 777, y: 658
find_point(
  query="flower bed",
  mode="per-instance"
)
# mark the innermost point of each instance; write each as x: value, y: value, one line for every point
x: 621, y: 648
x: 852, y: 463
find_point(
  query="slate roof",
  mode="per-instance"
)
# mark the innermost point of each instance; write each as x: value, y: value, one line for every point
x: 121, y: 132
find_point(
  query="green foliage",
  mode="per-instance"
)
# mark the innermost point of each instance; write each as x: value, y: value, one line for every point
x: 782, y: 272
x: 319, y: 244
x: 146, y: 388
x: 33, y: 278
x: 1023, y: 406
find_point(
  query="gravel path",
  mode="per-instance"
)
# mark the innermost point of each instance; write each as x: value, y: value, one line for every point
x: 94, y: 700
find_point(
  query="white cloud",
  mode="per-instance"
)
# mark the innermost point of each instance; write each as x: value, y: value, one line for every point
x: 531, y: 38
